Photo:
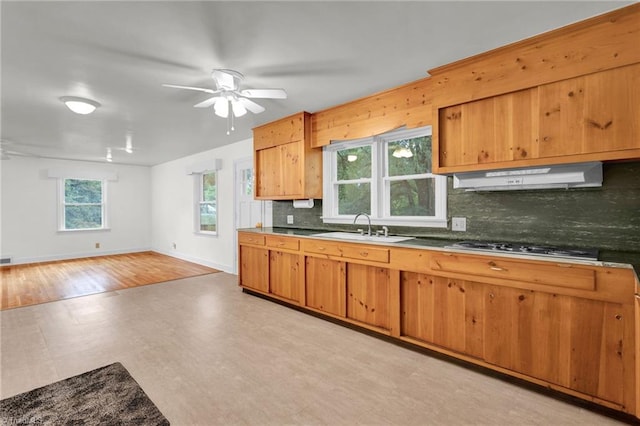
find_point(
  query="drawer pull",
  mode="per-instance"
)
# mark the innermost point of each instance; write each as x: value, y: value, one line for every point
x: 364, y: 253
x: 321, y: 248
x: 280, y: 244
x: 495, y: 268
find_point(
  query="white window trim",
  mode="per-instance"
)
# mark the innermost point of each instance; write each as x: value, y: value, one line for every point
x: 379, y: 184
x: 62, y: 204
x: 198, y: 193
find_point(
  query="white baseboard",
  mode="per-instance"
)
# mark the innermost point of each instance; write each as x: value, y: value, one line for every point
x: 204, y: 262
x: 68, y: 256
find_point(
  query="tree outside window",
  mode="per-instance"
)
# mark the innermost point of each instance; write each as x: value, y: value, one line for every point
x: 208, y: 217
x: 83, y: 205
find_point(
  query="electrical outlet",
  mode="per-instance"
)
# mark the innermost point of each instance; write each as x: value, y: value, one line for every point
x: 458, y: 223
x: 97, y: 245
x: 289, y: 219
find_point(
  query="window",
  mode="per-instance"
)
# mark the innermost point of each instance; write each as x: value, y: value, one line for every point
x: 388, y: 177
x: 82, y: 204
x: 207, y: 217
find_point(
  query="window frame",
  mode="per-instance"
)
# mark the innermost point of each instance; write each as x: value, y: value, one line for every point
x: 380, y: 183
x: 62, y: 204
x: 199, y: 202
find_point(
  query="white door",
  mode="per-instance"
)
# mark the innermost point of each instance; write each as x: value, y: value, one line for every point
x: 248, y: 212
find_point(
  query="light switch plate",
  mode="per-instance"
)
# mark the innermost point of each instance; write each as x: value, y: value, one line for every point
x: 289, y: 219
x: 458, y: 223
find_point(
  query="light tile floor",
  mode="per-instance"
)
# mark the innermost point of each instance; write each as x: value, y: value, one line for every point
x: 208, y: 354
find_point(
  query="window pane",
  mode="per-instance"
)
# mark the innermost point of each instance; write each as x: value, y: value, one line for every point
x: 209, y: 187
x: 83, y: 217
x: 413, y: 197
x: 354, y: 163
x: 354, y: 198
x: 208, y: 217
x: 247, y: 181
x: 409, y: 156
x: 82, y: 191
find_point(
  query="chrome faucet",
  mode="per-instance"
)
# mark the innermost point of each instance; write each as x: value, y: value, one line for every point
x: 368, y: 218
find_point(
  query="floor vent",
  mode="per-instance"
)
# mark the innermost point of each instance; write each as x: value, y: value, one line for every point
x: 5, y: 260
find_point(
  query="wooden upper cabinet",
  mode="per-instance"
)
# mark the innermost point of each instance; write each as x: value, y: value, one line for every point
x: 566, y: 96
x: 285, y: 165
x: 408, y: 106
x: 492, y: 130
x: 594, y: 113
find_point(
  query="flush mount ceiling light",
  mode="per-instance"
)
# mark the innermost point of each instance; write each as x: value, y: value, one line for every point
x: 80, y: 105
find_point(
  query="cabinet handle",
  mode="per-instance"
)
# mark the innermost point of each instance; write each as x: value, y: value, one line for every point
x: 495, y: 268
x: 280, y: 244
x: 638, y: 296
x: 321, y: 248
x: 364, y: 253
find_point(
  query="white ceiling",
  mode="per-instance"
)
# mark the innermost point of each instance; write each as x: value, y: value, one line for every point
x: 322, y: 53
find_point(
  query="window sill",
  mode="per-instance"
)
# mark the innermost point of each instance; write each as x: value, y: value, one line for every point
x: 418, y: 223
x: 206, y: 233
x: 71, y: 231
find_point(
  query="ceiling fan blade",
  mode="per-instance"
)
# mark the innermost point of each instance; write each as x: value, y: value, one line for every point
x: 221, y: 107
x: 207, y: 102
x: 264, y: 93
x: 251, y: 106
x: 199, y: 89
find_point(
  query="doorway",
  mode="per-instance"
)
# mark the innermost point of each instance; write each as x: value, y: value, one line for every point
x: 248, y: 211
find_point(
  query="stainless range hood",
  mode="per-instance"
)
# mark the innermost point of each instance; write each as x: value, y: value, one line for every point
x: 564, y: 176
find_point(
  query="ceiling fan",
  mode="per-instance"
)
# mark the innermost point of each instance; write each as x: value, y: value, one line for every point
x: 228, y: 100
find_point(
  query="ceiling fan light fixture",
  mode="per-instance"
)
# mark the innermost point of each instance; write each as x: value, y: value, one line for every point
x: 79, y: 105
x: 221, y: 107
x: 238, y: 109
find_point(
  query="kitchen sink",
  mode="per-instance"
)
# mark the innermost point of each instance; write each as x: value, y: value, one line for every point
x: 357, y: 237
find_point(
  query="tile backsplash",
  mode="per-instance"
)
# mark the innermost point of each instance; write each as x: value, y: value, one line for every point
x: 606, y: 218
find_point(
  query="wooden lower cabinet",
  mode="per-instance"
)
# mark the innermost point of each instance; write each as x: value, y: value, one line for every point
x: 443, y: 311
x: 368, y: 294
x: 325, y: 285
x: 573, y: 328
x: 284, y: 275
x: 569, y: 341
x: 254, y: 268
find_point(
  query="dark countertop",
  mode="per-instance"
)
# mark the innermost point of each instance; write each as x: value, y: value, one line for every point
x: 610, y: 258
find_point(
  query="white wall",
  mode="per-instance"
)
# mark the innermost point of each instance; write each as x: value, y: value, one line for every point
x: 173, y: 203
x: 29, y: 221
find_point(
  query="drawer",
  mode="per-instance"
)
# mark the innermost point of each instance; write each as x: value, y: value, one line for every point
x: 373, y: 254
x: 249, y: 238
x: 351, y: 251
x: 282, y: 242
x: 322, y: 247
x: 560, y: 275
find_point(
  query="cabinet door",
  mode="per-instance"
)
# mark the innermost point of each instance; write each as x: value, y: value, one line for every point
x: 268, y: 172
x: 497, y: 129
x: 573, y: 342
x: 368, y: 294
x: 291, y: 158
x: 443, y: 311
x: 279, y: 170
x: 254, y: 268
x: 284, y: 276
x: 326, y: 285
x: 595, y: 113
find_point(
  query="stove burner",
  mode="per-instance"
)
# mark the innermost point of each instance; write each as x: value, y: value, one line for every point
x: 565, y: 252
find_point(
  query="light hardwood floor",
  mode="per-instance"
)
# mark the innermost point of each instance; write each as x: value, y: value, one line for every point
x: 24, y: 285
x: 208, y: 354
